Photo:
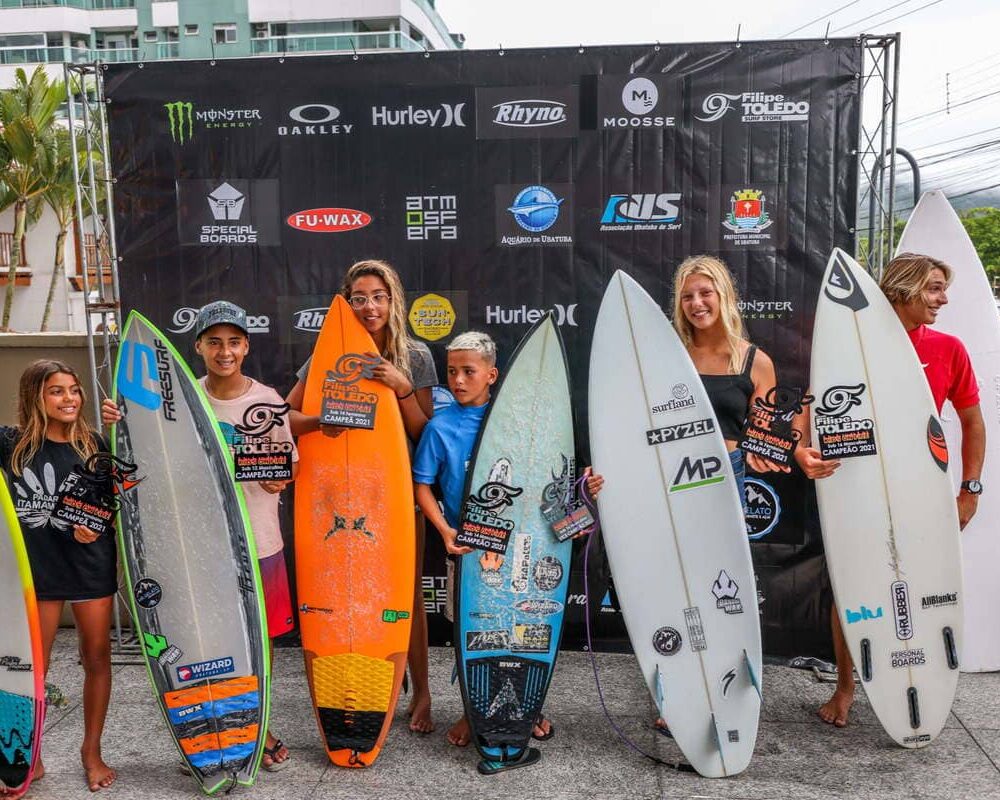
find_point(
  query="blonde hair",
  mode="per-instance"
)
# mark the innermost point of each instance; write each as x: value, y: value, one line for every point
x: 33, y: 422
x: 908, y: 274
x: 478, y: 342
x: 397, y: 341
x: 729, y: 310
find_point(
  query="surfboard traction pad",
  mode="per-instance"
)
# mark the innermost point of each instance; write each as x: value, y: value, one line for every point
x: 505, y: 698
x: 216, y: 723
x: 17, y: 733
x: 352, y: 693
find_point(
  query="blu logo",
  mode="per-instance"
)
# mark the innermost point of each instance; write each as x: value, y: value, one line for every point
x: 864, y: 614
x: 138, y: 363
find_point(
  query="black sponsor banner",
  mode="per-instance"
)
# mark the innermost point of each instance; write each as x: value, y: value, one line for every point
x: 384, y: 157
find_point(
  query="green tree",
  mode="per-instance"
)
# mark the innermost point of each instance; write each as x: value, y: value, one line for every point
x: 983, y: 227
x: 27, y: 154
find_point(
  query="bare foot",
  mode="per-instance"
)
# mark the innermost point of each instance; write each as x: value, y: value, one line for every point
x: 835, y: 710
x: 460, y: 734
x: 420, y: 713
x: 542, y: 729
x: 99, y: 775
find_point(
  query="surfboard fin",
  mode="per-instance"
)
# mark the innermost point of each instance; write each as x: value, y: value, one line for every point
x: 454, y: 672
x: 717, y: 734
x: 660, y: 692
x: 752, y: 674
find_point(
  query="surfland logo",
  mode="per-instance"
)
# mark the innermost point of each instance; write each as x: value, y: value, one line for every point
x: 523, y: 315
x: 754, y: 107
x: 694, y: 473
x: 184, y: 318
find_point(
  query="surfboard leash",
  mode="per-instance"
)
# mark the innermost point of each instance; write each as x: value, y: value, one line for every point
x: 584, y: 494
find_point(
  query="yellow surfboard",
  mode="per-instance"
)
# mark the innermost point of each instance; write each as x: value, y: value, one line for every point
x: 354, y: 544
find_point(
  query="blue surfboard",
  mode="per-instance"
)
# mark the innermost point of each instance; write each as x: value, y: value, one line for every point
x: 511, y: 591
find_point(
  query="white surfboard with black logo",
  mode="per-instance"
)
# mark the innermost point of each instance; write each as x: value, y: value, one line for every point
x: 935, y: 230
x: 673, y: 527
x: 890, y: 525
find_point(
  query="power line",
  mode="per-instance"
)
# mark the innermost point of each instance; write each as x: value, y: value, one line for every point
x: 876, y: 14
x: 954, y: 139
x: 946, y: 109
x: 893, y: 19
x: 821, y: 18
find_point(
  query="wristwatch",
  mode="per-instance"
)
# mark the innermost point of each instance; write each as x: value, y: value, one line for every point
x: 972, y: 486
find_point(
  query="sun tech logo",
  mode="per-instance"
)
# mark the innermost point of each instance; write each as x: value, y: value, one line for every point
x: 329, y: 220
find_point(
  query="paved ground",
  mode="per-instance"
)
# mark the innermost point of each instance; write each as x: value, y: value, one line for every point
x: 797, y: 756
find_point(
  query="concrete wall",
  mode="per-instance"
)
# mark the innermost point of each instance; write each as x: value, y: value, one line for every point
x: 17, y: 350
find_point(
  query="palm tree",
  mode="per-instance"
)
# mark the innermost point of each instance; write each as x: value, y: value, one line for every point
x: 60, y: 196
x: 27, y: 153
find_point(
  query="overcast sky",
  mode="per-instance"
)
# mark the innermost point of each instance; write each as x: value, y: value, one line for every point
x: 939, y: 37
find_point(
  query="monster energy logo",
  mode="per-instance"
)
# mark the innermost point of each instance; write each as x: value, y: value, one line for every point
x: 181, y: 116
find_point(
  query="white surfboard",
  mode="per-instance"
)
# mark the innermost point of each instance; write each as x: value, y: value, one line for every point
x: 890, y: 526
x: 674, y: 530
x: 935, y: 230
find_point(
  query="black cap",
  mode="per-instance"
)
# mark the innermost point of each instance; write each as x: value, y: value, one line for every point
x: 221, y: 312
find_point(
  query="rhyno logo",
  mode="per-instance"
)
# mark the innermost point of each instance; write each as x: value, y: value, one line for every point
x: 309, y: 320
x: 329, y: 220
x: 444, y: 115
x: 755, y: 107
x: 523, y: 315
x: 529, y: 113
x: 901, y: 611
x: 315, y: 119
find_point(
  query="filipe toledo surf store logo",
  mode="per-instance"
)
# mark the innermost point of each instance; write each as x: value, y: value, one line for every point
x: 184, y: 318
x: 842, y: 435
x: 483, y: 525
x: 183, y: 115
x: 754, y: 107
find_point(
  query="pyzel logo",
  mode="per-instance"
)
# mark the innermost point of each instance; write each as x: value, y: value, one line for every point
x: 529, y: 113
x: 762, y: 508
x: 181, y: 116
x: 666, y: 641
x: 184, y: 319
x: 863, y: 615
x: 329, y: 220
x: 498, y: 315
x: 430, y: 216
x: 685, y: 430
x: 535, y: 208
x: 755, y: 107
x: 641, y: 212
x: 315, y: 119
x: 309, y: 320
x: 726, y: 590
x: 640, y: 97
x: 901, y: 611
x: 696, y: 472
x: 444, y: 115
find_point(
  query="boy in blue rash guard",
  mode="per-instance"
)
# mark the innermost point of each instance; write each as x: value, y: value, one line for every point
x: 443, y: 457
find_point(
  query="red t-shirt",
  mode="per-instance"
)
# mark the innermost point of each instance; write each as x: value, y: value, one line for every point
x: 947, y: 367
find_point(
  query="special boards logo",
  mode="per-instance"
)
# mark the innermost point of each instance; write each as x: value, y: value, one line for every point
x: 524, y: 112
x: 762, y: 508
x: 534, y: 214
x: 235, y: 213
x: 315, y: 119
x: 440, y: 115
x: 641, y: 212
x: 754, y: 107
x: 637, y: 102
x: 184, y: 318
x: 184, y: 118
x: 432, y: 317
x: 431, y: 216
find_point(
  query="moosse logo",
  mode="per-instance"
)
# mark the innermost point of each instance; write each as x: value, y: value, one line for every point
x: 184, y: 318
x: 234, y: 212
x: 754, y: 107
x: 182, y: 116
x: 694, y: 473
x: 520, y: 112
x: 443, y: 115
x: 534, y: 215
x: 328, y: 220
x: 641, y: 212
x: 315, y: 119
x: 639, y: 103
x: 762, y: 508
x: 309, y: 320
x: 523, y: 315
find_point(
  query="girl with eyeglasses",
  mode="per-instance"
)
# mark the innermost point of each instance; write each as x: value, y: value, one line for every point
x: 375, y: 293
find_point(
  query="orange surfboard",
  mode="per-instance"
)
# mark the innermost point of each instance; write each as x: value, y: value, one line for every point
x: 354, y: 545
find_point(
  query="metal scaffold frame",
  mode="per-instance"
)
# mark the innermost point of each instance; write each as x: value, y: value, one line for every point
x: 878, y: 84
x: 95, y: 216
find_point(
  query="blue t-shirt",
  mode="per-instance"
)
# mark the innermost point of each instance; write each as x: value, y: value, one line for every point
x: 444, y: 452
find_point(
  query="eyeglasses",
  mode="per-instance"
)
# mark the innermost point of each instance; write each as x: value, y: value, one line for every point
x: 359, y: 301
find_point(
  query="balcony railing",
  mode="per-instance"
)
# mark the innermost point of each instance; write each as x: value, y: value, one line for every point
x: 85, y: 4
x: 75, y: 55
x: 333, y: 43
x: 168, y: 50
x: 114, y: 55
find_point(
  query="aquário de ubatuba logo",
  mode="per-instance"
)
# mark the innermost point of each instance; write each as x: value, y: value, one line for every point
x: 534, y: 215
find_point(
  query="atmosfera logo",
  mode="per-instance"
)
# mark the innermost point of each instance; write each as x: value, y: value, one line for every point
x: 183, y: 114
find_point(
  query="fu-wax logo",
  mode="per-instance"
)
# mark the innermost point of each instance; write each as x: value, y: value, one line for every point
x: 182, y: 115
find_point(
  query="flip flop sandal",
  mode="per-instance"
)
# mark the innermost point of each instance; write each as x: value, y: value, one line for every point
x: 528, y: 756
x: 272, y: 753
x: 545, y: 736
x: 663, y: 730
